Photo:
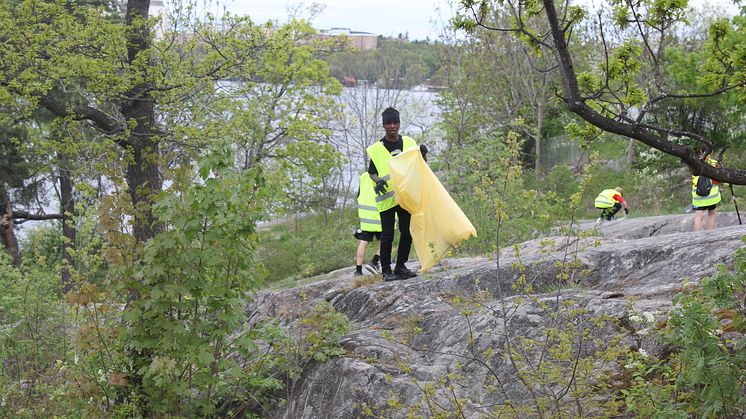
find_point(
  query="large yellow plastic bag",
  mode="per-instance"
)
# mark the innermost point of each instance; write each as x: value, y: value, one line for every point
x: 438, y: 224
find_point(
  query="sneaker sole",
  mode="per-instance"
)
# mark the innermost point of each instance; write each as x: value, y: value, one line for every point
x: 370, y: 270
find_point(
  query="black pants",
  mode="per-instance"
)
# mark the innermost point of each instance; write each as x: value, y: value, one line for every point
x: 388, y: 219
x: 609, y: 212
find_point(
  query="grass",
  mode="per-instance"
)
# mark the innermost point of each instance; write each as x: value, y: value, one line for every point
x: 296, y: 251
x: 301, y: 248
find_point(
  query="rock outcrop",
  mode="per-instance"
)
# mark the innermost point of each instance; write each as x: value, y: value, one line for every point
x: 438, y: 342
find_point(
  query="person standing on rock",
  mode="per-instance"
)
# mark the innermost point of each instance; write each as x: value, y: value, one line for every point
x: 610, y: 201
x: 708, y: 203
x: 380, y: 153
x: 370, y: 224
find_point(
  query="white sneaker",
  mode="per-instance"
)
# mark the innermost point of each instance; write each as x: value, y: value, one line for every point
x: 599, y: 220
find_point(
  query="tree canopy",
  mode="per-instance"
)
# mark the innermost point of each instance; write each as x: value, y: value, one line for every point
x: 173, y: 139
x: 631, y: 83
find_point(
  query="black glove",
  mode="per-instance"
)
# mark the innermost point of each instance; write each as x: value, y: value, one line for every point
x: 423, y: 151
x: 626, y: 211
x: 380, y: 187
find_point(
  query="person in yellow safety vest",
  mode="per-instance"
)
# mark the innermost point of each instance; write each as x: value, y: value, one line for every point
x: 610, y: 201
x: 380, y: 153
x: 708, y: 203
x: 370, y: 224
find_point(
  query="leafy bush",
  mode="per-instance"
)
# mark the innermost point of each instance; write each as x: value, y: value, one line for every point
x: 191, y: 284
x: 703, y: 376
x: 488, y: 183
x: 41, y: 247
x: 33, y: 340
x: 159, y: 330
x: 188, y: 348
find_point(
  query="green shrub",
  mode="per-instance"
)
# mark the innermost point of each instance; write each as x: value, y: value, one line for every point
x: 703, y: 376
x: 34, y: 340
x: 42, y: 246
x: 192, y: 282
x: 188, y: 348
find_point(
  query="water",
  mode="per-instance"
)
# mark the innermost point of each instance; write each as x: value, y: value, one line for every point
x: 361, y: 126
x: 357, y: 128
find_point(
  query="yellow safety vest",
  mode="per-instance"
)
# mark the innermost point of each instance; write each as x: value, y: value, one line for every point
x: 367, y: 211
x: 381, y: 156
x: 606, y: 198
x: 711, y: 199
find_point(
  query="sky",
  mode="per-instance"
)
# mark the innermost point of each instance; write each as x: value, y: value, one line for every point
x: 380, y: 17
x: 420, y: 19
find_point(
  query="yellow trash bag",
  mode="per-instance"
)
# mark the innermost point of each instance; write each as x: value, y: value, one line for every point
x: 438, y: 224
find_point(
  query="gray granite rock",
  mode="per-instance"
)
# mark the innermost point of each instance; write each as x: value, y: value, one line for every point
x: 418, y: 346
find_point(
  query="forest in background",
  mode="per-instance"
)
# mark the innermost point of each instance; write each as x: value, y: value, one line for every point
x: 394, y: 64
x: 127, y: 301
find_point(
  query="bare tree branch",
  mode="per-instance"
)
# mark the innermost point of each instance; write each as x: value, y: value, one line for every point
x: 27, y: 216
x: 100, y: 119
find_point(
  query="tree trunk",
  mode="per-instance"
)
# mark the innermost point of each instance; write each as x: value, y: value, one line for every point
x: 143, y: 175
x: 631, y: 152
x: 540, y: 104
x: 67, y: 209
x: 7, y: 235
x: 144, y: 182
x: 537, y: 139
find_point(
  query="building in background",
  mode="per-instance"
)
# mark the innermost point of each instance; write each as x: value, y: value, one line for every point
x: 359, y: 40
x: 157, y: 8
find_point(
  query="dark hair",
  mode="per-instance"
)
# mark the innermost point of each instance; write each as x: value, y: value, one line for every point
x: 390, y: 115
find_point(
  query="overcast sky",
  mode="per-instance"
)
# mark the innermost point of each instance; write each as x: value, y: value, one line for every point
x: 419, y: 18
x: 380, y: 17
